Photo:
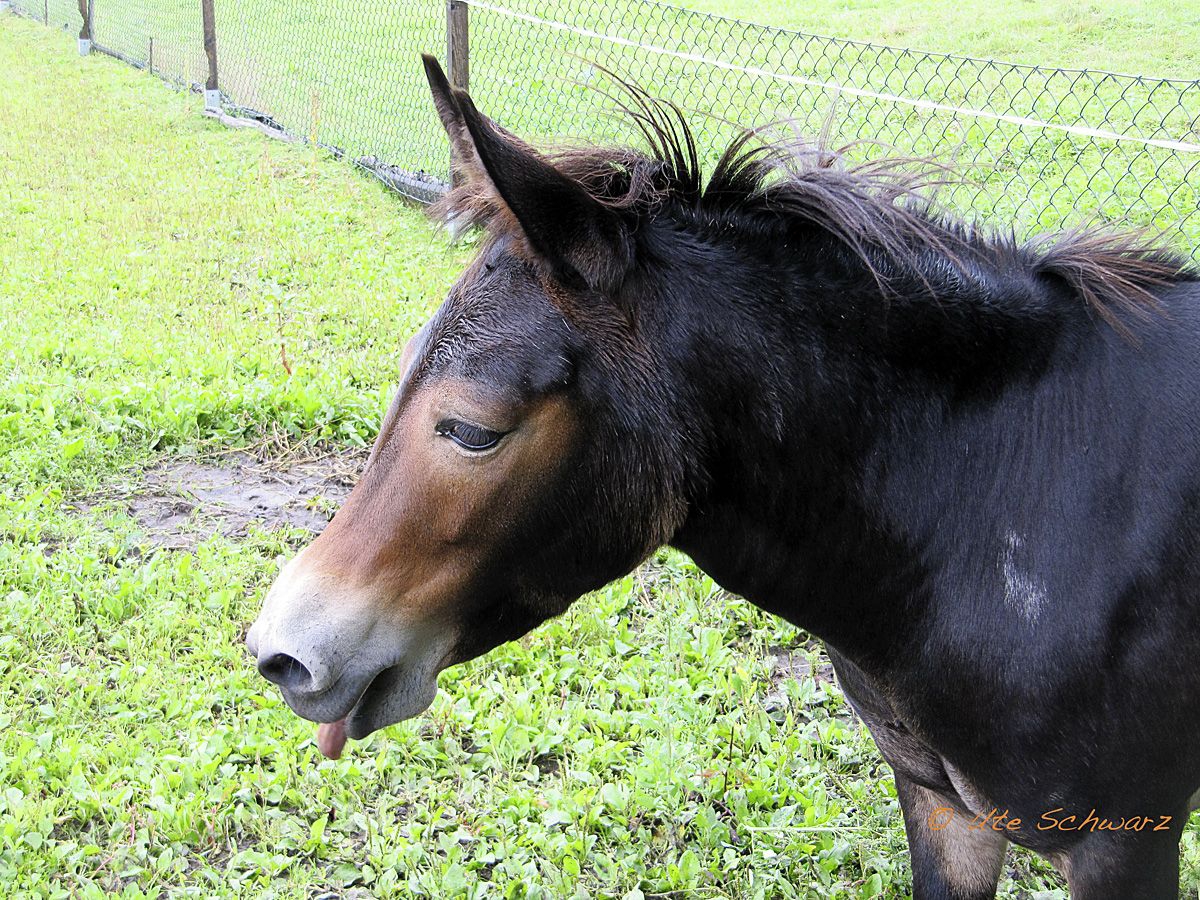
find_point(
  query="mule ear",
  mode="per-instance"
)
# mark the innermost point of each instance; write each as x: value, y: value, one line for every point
x: 585, y: 242
x: 463, y: 156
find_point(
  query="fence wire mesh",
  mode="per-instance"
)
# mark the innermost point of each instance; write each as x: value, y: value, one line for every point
x: 342, y: 73
x: 163, y: 36
x: 1036, y: 147
x: 63, y: 14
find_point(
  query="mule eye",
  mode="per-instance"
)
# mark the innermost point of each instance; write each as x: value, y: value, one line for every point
x: 470, y: 437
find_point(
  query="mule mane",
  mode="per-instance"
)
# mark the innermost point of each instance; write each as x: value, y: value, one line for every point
x: 879, y: 211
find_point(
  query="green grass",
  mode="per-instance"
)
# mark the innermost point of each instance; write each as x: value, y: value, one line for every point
x: 151, y: 265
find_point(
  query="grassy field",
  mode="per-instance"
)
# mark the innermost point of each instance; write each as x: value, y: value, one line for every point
x: 159, y: 275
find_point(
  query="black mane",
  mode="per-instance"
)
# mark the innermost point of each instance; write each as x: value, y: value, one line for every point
x: 880, y: 211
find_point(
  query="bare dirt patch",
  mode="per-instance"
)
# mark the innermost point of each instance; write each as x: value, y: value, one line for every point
x: 182, y: 502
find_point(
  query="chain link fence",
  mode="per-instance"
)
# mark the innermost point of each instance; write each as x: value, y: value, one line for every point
x: 1036, y: 147
x: 62, y: 14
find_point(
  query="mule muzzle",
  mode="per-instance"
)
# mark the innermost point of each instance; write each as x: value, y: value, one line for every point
x: 345, y: 659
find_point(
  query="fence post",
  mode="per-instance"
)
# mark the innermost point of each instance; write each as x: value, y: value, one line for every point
x: 458, y: 56
x: 212, y: 93
x: 85, y: 30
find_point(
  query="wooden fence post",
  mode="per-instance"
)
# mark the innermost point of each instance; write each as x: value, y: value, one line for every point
x: 458, y: 55
x: 212, y: 93
x: 85, y: 30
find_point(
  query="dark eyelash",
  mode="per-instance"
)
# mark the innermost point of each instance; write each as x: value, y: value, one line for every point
x: 468, y: 436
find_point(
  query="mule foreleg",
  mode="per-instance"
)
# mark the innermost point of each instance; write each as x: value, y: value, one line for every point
x: 1126, y: 865
x: 950, y: 859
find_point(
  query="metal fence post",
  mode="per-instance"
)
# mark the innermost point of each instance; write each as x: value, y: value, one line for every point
x: 85, y: 30
x: 212, y: 93
x: 458, y: 55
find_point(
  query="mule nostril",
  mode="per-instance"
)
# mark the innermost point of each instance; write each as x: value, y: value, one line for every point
x: 285, y: 671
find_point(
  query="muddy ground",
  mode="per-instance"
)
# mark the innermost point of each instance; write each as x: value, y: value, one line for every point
x: 182, y: 502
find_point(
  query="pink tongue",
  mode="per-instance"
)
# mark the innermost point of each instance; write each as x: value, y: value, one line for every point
x: 331, y: 738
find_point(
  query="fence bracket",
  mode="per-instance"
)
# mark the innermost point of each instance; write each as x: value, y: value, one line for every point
x: 212, y: 101
x: 85, y: 46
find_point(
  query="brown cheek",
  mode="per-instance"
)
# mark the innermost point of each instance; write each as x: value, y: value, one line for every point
x: 474, y: 501
x: 389, y: 536
x: 426, y: 521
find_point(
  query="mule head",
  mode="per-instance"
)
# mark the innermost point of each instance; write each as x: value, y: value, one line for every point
x: 522, y: 463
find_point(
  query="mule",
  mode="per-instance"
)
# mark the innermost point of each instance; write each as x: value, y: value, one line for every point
x: 970, y: 466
